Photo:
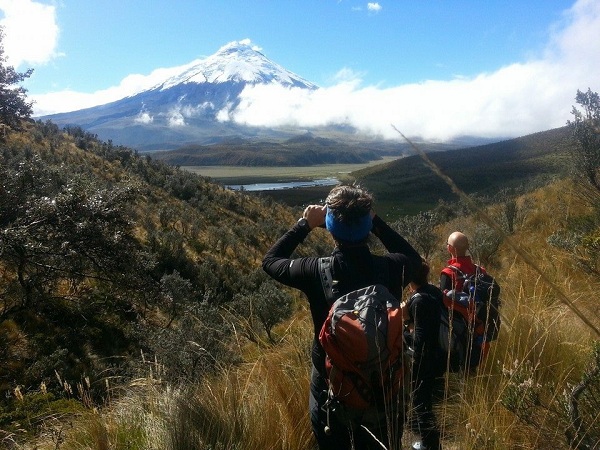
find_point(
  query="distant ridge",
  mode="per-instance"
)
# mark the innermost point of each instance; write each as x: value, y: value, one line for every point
x: 301, y: 150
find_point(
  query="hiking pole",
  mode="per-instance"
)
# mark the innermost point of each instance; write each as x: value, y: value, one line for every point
x: 488, y: 220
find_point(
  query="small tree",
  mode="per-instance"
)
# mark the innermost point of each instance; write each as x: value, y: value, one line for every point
x: 271, y: 306
x: 511, y: 213
x: 264, y: 306
x: 585, y: 128
x: 484, y: 243
x: 420, y: 231
x: 13, y: 103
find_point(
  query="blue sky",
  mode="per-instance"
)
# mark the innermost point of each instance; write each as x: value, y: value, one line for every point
x: 436, y: 69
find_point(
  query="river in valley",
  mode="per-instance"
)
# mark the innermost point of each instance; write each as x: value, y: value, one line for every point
x: 255, y: 187
x: 275, y: 178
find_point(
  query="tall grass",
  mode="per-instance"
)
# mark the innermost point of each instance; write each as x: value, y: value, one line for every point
x: 259, y: 405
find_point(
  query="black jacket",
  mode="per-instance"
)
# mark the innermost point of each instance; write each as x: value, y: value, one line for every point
x: 424, y: 308
x: 352, y: 267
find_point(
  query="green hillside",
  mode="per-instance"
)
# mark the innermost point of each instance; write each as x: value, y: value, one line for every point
x: 107, y: 256
x: 408, y: 185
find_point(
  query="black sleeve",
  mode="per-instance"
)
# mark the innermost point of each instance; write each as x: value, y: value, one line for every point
x: 445, y: 282
x: 298, y: 273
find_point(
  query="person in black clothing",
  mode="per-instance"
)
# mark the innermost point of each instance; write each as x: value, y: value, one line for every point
x: 348, y: 216
x: 422, y: 318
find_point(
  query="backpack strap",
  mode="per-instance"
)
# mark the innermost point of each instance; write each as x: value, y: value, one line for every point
x: 416, y: 296
x: 380, y: 269
x: 459, y: 276
x: 478, y: 270
x: 457, y: 271
x: 326, y: 276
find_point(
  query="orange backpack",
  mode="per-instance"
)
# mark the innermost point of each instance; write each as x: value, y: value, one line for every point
x: 363, y: 342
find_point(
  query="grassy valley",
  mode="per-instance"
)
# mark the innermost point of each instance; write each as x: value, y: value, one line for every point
x: 518, y: 164
x: 303, y: 150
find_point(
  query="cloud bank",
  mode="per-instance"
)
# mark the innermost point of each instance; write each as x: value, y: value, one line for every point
x: 517, y: 99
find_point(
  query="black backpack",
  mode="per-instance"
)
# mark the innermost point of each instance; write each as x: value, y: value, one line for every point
x: 470, y: 318
x: 484, y: 290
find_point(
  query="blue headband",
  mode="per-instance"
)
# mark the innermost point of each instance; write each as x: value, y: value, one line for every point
x: 353, y: 232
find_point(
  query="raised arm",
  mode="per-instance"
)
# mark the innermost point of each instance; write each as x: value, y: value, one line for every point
x: 393, y: 242
x: 277, y: 262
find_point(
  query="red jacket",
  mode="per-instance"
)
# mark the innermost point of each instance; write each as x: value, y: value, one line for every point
x: 449, y: 279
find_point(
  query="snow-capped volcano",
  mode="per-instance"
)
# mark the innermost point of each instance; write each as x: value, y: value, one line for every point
x: 236, y: 62
x: 192, y: 106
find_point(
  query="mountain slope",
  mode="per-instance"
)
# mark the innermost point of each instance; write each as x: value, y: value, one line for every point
x: 408, y: 185
x: 105, y: 253
x: 188, y: 106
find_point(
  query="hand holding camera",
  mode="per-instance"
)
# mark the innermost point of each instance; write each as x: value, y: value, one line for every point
x: 315, y: 215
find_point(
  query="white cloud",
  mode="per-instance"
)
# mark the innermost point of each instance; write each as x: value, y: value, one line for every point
x: 175, y: 119
x: 31, y: 32
x: 144, y: 118
x: 514, y: 100
x: 374, y: 6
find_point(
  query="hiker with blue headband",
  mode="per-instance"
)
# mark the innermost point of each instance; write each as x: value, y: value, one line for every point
x: 349, y: 217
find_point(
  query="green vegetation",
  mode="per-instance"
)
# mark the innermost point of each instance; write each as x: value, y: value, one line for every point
x: 407, y: 185
x: 107, y: 255
x: 585, y: 127
x: 543, y: 365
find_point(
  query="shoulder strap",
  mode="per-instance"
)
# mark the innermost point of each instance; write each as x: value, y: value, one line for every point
x: 458, y: 271
x: 478, y: 270
x: 326, y: 276
x: 381, y: 275
x: 416, y: 296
